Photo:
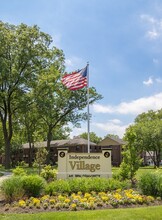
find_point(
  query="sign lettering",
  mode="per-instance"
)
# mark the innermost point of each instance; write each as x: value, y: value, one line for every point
x: 81, y: 165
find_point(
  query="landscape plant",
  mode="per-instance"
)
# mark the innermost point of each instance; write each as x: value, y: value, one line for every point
x: 19, y: 171
x: 40, y: 159
x: 131, y: 157
x: 150, y: 183
x: 48, y: 173
x: 12, y: 188
x: 33, y: 185
x: 88, y: 201
x: 85, y: 185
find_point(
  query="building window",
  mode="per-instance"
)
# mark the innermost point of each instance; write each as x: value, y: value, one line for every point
x: 77, y: 148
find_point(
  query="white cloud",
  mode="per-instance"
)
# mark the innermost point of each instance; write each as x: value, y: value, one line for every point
x: 153, y: 34
x: 148, y: 82
x: 133, y: 107
x: 77, y: 131
x: 74, y: 63
x: 159, y: 80
x: 115, y: 121
x: 112, y: 128
x: 68, y: 63
x: 154, y: 26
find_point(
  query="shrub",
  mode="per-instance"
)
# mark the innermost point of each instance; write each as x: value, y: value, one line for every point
x: 78, y: 184
x: 159, y: 185
x: 19, y: 171
x: 22, y: 164
x: 12, y: 188
x: 60, y: 186
x: 84, y: 185
x: 148, y: 184
x: 33, y: 185
x: 48, y: 173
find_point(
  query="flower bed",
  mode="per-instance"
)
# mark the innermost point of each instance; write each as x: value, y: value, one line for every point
x: 80, y: 201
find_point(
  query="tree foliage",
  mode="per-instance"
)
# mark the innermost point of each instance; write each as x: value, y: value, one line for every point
x: 93, y: 137
x: 32, y: 96
x: 24, y: 52
x: 41, y: 156
x: 148, y: 134
x: 131, y: 156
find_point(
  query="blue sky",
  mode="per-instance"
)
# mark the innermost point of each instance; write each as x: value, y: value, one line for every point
x: 122, y: 40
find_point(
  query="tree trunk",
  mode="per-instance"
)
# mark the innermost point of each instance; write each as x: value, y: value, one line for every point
x: 30, y: 154
x: 49, y: 139
x: 30, y: 148
x: 158, y: 159
x: 6, y: 119
x: 7, y: 146
x: 7, y: 154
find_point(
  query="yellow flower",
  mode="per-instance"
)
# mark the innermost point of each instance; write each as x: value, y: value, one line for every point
x: 22, y: 203
x: 76, y: 197
x: 105, y: 198
x: 117, y: 196
x: 91, y: 199
x: 73, y: 206
x: 83, y: 200
x: 87, y: 195
x: 52, y: 201
x: 67, y: 201
x: 102, y: 194
x: 45, y: 197
x: 61, y: 198
x: 73, y: 195
x: 36, y: 202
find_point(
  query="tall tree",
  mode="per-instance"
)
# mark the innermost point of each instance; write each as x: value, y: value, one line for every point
x: 57, y: 105
x: 24, y: 53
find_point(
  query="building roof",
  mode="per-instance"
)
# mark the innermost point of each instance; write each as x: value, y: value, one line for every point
x: 62, y: 143
x: 111, y: 141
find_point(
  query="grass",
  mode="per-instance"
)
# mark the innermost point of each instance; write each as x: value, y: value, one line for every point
x: 145, y: 213
x: 29, y: 170
x: 141, y: 170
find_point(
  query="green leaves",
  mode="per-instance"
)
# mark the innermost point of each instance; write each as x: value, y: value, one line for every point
x: 146, y: 134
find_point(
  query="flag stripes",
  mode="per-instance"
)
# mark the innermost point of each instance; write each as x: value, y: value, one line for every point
x: 76, y: 80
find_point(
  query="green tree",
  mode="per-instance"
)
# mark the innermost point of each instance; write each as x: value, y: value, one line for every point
x: 131, y: 156
x: 93, y: 137
x: 40, y: 159
x: 111, y: 136
x: 148, y: 134
x: 24, y: 52
x: 57, y: 105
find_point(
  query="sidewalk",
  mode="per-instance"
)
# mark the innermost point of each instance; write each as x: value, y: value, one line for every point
x: 5, y: 176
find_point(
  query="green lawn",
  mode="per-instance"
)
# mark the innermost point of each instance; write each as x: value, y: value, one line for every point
x: 146, y: 213
x: 114, y: 169
x: 141, y: 170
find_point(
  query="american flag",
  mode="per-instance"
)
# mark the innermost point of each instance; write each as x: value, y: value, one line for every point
x: 76, y: 80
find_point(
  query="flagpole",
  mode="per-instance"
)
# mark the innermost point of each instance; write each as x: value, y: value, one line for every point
x: 88, y: 119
